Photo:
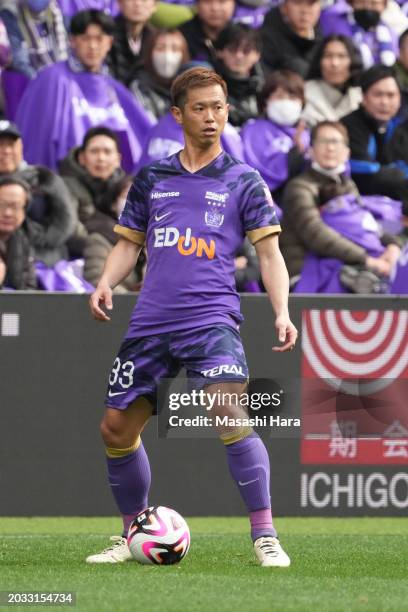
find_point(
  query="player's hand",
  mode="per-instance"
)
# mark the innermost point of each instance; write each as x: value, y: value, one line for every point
x: 287, y: 333
x: 102, y: 296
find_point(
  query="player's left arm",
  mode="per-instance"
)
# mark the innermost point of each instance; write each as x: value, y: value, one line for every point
x: 276, y: 281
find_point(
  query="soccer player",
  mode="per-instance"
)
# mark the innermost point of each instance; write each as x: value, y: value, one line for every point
x: 192, y: 210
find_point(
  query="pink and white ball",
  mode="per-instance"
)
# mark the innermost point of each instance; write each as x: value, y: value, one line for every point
x: 158, y: 535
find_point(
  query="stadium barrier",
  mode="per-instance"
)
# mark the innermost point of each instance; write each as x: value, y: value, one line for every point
x: 54, y: 365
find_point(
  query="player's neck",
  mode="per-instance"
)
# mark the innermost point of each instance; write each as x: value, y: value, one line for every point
x: 193, y: 158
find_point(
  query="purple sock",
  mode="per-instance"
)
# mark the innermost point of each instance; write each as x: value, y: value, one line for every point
x: 248, y: 462
x: 129, y: 479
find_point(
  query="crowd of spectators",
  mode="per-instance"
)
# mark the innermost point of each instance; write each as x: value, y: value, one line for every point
x: 318, y: 95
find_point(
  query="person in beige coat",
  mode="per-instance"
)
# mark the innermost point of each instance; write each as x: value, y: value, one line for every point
x: 331, y: 90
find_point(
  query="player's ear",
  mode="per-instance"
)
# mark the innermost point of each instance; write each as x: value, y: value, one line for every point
x: 177, y: 114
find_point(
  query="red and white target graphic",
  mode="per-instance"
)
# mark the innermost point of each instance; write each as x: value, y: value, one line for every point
x: 347, y: 345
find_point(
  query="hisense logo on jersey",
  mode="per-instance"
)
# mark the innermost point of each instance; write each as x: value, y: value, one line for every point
x: 164, y: 194
x: 186, y: 243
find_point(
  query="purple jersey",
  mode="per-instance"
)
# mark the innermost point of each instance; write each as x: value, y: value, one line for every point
x: 193, y: 224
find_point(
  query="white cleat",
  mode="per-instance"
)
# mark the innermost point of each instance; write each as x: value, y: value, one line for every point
x: 117, y: 553
x: 270, y: 553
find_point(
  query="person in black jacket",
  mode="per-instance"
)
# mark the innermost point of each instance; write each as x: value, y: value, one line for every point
x: 166, y: 52
x: 374, y: 165
x: 290, y: 36
x: 132, y: 34
x: 239, y: 50
x: 52, y: 216
x: 202, y: 31
x: 16, y: 256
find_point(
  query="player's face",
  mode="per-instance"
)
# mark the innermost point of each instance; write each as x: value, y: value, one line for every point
x: 204, y: 115
x: 382, y: 100
x: 13, y: 201
x: 329, y: 149
x: 100, y: 158
x: 137, y: 11
x: 11, y: 154
x: 92, y: 47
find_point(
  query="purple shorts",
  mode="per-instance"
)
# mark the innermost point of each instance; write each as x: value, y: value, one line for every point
x: 209, y: 355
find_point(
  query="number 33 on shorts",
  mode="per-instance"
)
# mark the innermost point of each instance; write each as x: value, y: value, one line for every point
x: 122, y: 373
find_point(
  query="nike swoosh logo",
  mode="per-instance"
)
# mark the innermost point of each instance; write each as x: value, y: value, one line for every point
x: 157, y: 218
x: 112, y: 394
x: 242, y: 484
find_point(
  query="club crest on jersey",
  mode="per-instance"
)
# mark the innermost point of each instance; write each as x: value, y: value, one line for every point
x: 213, y: 218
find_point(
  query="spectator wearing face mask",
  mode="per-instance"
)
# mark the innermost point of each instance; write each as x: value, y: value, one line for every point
x: 332, y: 90
x: 202, y: 31
x: 291, y: 36
x: 275, y: 143
x: 238, y: 49
x: 166, y: 52
x: 36, y: 32
x: 361, y: 20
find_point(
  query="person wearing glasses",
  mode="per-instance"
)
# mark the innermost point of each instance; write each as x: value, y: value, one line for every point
x: 305, y: 230
x: 16, y: 256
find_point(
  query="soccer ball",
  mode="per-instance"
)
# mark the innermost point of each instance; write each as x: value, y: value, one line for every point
x: 158, y: 535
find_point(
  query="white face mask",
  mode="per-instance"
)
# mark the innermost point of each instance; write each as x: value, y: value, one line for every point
x: 284, y: 112
x: 340, y: 169
x: 166, y: 63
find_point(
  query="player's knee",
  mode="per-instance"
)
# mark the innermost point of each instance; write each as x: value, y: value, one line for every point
x: 113, y: 435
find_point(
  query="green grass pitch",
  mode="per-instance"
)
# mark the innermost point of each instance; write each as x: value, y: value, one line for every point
x: 337, y: 565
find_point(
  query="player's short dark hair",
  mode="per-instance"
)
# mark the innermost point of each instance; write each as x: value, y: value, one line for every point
x: 82, y: 20
x: 13, y: 179
x: 356, y: 65
x: 287, y: 80
x: 336, y: 125
x: 194, y: 79
x: 237, y: 35
x: 100, y: 130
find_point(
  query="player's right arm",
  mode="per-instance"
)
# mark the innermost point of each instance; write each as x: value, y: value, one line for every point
x: 120, y: 262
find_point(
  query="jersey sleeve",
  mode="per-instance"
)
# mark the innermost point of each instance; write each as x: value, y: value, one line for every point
x: 132, y: 223
x: 258, y: 213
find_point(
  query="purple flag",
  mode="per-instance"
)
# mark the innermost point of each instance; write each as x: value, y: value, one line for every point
x: 266, y: 147
x: 70, y: 7
x: 60, y: 105
x: 166, y: 138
